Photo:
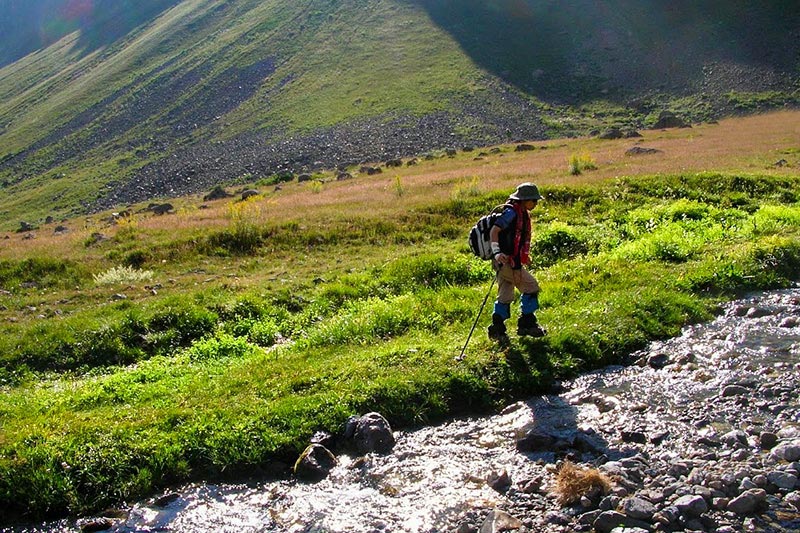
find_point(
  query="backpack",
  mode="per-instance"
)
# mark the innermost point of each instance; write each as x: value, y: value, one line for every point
x: 479, y: 241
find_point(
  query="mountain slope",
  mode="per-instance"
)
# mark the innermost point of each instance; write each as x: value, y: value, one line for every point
x: 163, y: 97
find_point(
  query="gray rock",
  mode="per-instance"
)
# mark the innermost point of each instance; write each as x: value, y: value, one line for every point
x: 95, y: 524
x: 668, y: 515
x: 641, y: 150
x: 734, y: 439
x: 499, y: 481
x: 633, y: 436
x: 638, y: 508
x: 790, y: 322
x: 734, y: 390
x: 160, y: 209
x: 217, y: 193
x: 609, y: 503
x: 691, y: 505
x: 658, y: 360
x: 608, y: 520
x: 758, y: 312
x: 747, y: 502
x: 668, y: 119
x: 747, y: 484
x: 793, y: 498
x: 249, y: 193
x: 533, y: 440
x: 788, y: 451
x: 371, y: 433
x: 782, y: 480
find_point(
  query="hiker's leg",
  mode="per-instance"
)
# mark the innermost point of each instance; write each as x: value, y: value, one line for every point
x: 529, y: 303
x: 502, y: 306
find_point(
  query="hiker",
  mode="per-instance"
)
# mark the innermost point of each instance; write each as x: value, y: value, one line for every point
x: 510, y: 241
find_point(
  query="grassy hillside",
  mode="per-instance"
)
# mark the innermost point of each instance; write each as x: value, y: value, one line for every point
x: 211, y: 343
x: 160, y: 98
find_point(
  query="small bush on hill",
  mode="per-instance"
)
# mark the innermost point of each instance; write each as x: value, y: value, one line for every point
x: 122, y: 274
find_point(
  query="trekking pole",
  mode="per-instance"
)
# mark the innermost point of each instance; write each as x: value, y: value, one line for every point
x: 475, y: 324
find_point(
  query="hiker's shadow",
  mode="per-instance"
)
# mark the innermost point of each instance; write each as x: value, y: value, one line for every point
x: 556, y: 430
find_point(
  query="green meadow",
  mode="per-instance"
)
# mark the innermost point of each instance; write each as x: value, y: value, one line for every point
x: 257, y: 331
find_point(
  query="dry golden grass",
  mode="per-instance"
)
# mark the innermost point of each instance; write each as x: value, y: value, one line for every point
x: 573, y: 482
x: 749, y: 144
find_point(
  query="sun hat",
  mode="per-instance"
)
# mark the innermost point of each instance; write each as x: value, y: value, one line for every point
x: 526, y: 191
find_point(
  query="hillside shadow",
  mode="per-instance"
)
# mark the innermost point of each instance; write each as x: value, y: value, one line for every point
x: 36, y: 24
x: 580, y: 49
x: 107, y: 21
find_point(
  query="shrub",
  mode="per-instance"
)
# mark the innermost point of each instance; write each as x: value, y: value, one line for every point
x: 264, y: 333
x: 243, y: 235
x: 574, y: 482
x: 122, y: 274
x: 580, y: 162
x: 464, y: 190
x: 399, y: 190
x: 218, y: 347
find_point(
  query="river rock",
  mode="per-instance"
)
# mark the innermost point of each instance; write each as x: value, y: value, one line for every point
x: 96, y: 524
x: 499, y: 481
x: 790, y: 322
x: 734, y: 390
x: 734, y: 439
x: 747, y: 502
x: 793, y: 498
x: 767, y: 440
x: 497, y: 521
x: 638, y: 508
x: 370, y: 433
x: 315, y: 463
x: 609, y: 520
x: 530, y: 439
x: 788, y: 451
x: 691, y: 505
x: 782, y: 480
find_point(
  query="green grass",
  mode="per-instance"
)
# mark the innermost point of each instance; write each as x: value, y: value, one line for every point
x: 117, y: 400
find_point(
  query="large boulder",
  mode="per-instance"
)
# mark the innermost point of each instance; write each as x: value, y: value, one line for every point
x: 160, y: 209
x: 669, y: 120
x: 217, y: 193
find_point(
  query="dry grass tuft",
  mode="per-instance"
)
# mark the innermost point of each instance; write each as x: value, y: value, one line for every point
x: 573, y: 482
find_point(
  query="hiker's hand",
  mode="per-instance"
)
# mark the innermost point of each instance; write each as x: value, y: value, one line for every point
x: 501, y: 258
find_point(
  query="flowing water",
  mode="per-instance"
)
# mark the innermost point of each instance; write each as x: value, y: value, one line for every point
x: 440, y: 478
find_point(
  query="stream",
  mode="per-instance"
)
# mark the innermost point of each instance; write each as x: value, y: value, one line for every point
x: 693, y: 425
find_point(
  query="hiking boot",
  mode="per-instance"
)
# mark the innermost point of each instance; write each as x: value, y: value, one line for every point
x: 528, y: 326
x: 497, y: 330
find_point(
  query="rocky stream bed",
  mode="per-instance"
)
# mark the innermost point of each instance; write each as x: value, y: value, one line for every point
x: 700, y: 433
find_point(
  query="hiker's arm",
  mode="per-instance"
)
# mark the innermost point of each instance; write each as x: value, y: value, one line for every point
x: 494, y: 238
